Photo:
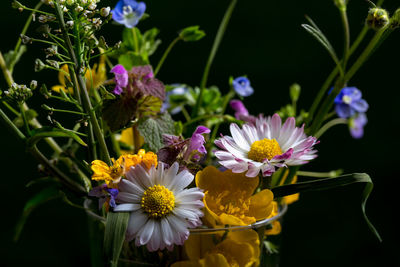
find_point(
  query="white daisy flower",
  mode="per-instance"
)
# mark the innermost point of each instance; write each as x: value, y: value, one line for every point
x: 161, y: 208
x: 265, y: 146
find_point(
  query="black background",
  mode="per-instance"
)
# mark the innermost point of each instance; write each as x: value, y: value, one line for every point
x: 265, y: 41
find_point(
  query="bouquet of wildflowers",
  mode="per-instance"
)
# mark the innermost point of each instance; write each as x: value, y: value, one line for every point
x: 165, y: 174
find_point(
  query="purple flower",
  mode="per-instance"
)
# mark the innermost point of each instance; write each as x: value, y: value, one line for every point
x: 128, y: 12
x: 104, y: 194
x: 356, y: 125
x: 349, y: 102
x: 121, y: 78
x: 241, y: 113
x: 242, y: 87
x: 197, y: 140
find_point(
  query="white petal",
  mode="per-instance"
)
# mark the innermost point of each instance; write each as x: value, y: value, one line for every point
x: 142, y: 176
x: 191, y: 194
x: 136, y: 222
x: 166, y: 232
x: 169, y: 175
x: 155, y: 240
x: 237, y: 135
x: 129, y: 187
x: 276, y: 124
x: 183, y: 179
x: 146, y: 232
x: 127, y: 207
x: 125, y: 197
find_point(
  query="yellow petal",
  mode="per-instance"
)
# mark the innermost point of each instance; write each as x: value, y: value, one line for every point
x: 214, y: 259
x: 127, y: 136
x: 275, y: 230
x: 213, y: 180
x: 291, y: 198
x: 233, y: 220
x: 261, y: 204
x: 198, y: 245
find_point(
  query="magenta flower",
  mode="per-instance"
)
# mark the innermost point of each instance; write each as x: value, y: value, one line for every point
x: 121, y: 78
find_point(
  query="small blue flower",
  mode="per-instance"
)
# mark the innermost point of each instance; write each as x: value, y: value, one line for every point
x: 242, y: 87
x: 349, y: 102
x: 356, y: 125
x: 128, y: 12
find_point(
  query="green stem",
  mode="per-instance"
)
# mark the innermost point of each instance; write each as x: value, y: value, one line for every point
x: 346, y: 31
x: 135, y: 40
x: 82, y: 85
x: 11, y: 126
x: 25, y: 120
x: 319, y: 174
x: 10, y: 108
x: 227, y: 97
x: 217, y: 42
x: 329, y: 125
x: 161, y: 62
x: 185, y: 113
x: 115, y: 144
x: 66, y: 111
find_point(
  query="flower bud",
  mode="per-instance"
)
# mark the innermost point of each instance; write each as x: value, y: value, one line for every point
x: 25, y: 39
x: 70, y: 23
x: 39, y: 65
x: 295, y: 92
x: 33, y: 85
x: 395, y: 19
x: 105, y: 11
x: 377, y: 18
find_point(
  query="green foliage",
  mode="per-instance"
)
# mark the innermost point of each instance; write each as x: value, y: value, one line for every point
x: 191, y: 34
x: 12, y: 57
x: 152, y: 130
x: 118, y: 113
x: 37, y: 200
x: 44, y: 132
x: 212, y: 100
x: 295, y: 90
x: 328, y: 183
x: 30, y: 115
x: 137, y: 48
x: 114, y: 235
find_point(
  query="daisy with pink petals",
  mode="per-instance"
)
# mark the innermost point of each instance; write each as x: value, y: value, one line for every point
x: 265, y: 146
x: 161, y: 208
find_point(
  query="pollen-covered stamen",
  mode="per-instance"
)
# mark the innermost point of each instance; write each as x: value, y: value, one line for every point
x: 264, y: 149
x: 346, y: 99
x: 158, y: 201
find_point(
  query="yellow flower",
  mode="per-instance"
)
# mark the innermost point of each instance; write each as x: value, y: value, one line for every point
x: 290, y: 198
x: 94, y: 77
x: 229, y: 198
x: 113, y: 174
x: 276, y: 225
x: 240, y: 248
x: 128, y: 138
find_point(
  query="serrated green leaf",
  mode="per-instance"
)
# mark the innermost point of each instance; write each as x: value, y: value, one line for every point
x: 152, y: 130
x: 114, y: 235
x: 327, y: 183
x: 44, y: 132
x: 38, y: 199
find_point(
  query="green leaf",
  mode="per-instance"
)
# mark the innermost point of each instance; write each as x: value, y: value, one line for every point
x: 320, y: 37
x: 149, y: 105
x: 39, y: 134
x: 114, y: 235
x: 131, y: 59
x: 38, y: 199
x: 152, y: 129
x: 327, y: 183
x: 191, y: 34
x: 149, y: 42
x: 119, y: 112
x: 30, y: 115
x: 11, y: 58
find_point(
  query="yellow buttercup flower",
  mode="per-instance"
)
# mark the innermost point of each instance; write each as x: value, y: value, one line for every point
x: 128, y: 138
x: 113, y: 174
x: 95, y: 77
x: 276, y: 227
x: 240, y: 248
x: 229, y: 198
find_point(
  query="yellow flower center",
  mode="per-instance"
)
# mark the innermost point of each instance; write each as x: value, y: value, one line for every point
x: 237, y: 206
x: 264, y: 149
x: 158, y: 201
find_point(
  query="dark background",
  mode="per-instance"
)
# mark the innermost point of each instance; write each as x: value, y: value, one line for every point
x: 265, y: 41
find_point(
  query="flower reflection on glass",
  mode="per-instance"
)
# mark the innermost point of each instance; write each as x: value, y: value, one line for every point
x: 356, y: 125
x: 128, y: 12
x: 161, y: 208
x: 242, y: 86
x: 265, y: 146
x: 349, y: 102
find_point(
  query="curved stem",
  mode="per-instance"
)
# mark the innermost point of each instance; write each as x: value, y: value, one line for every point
x: 329, y: 125
x: 217, y: 42
x: 161, y: 62
x: 346, y: 31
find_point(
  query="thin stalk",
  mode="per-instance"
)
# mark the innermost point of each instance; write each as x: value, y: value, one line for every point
x: 346, y: 32
x: 185, y: 113
x: 135, y: 40
x: 318, y: 174
x: 217, y: 42
x: 14, y: 129
x: 25, y: 120
x: 228, y: 97
x: 164, y: 56
x: 115, y: 144
x: 329, y: 125
x: 85, y: 96
x: 10, y: 108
